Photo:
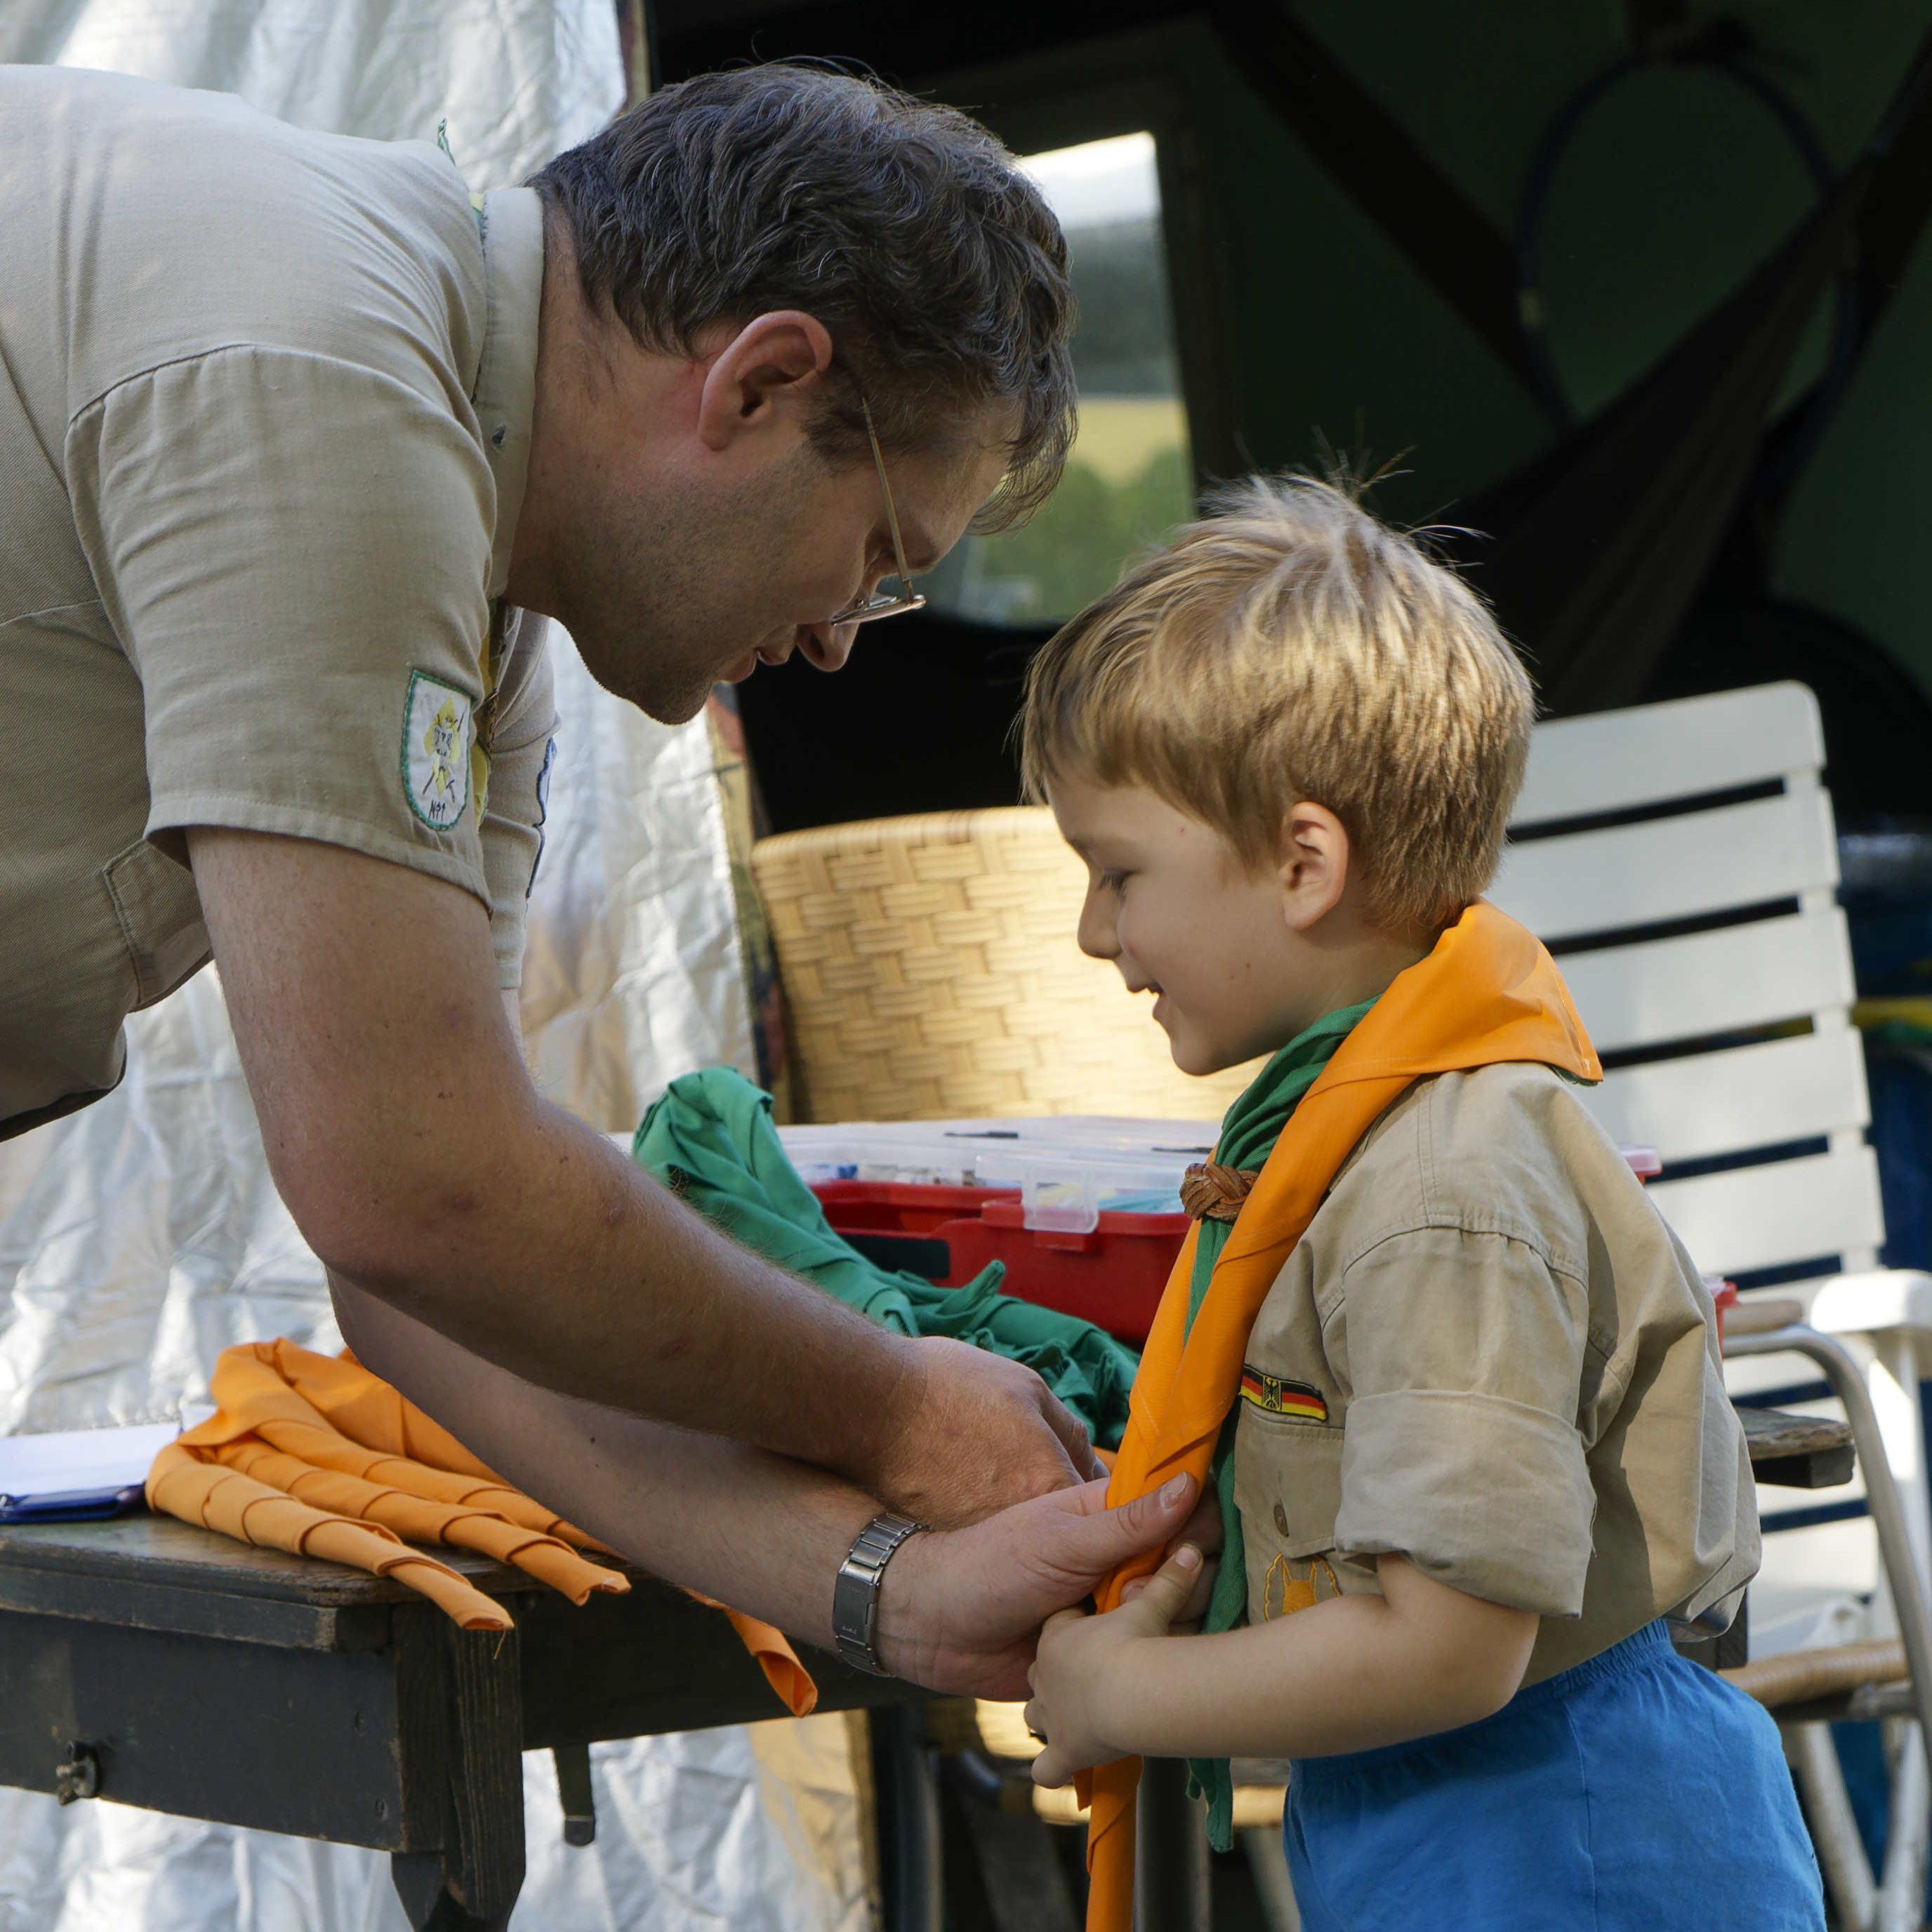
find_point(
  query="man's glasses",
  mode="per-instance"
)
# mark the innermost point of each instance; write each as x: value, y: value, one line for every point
x: 867, y: 608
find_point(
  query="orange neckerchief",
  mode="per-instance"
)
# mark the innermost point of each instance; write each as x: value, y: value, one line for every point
x: 314, y: 1454
x: 1487, y: 993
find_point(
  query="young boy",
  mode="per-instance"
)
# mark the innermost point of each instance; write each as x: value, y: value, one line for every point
x: 1481, y: 1455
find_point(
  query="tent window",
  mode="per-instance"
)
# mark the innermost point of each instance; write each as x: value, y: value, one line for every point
x: 1128, y: 481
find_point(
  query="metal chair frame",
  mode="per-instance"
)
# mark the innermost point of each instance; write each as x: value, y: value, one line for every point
x: 1894, y: 1900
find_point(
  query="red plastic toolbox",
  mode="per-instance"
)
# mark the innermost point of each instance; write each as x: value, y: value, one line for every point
x: 1112, y: 1275
x: 900, y: 1207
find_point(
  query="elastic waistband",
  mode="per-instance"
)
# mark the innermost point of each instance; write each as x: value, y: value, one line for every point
x: 1635, y: 1652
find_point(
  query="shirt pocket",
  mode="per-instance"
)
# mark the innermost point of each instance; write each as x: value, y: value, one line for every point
x: 1288, y: 1480
x: 159, y: 915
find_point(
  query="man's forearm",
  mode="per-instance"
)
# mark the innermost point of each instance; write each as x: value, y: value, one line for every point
x: 957, y: 1610
x: 404, y: 1133
x: 757, y: 1531
x: 577, y: 1269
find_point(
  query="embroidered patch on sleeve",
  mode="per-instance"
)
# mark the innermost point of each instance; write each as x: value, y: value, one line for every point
x: 543, y: 812
x: 436, y: 750
x: 1296, y: 1400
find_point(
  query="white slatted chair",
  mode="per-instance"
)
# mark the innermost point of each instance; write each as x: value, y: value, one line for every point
x: 1680, y: 859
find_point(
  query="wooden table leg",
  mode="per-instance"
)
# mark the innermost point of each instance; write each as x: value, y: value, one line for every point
x: 1172, y: 1877
x: 576, y: 1793
x: 905, y: 1785
x: 462, y: 1742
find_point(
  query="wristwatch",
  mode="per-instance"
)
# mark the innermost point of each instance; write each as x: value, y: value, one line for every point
x: 855, y: 1591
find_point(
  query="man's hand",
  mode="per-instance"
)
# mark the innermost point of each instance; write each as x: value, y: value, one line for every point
x: 972, y: 1434
x: 1083, y: 1660
x: 960, y: 1611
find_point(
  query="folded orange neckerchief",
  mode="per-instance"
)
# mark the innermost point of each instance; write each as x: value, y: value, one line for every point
x: 1487, y: 993
x: 314, y: 1454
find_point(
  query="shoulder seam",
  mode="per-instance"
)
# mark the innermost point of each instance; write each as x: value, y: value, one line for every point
x: 1466, y: 1223
x: 154, y: 369
x: 229, y: 348
x: 1425, y: 1144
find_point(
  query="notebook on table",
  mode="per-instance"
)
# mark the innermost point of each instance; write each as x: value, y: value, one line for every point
x: 71, y: 1475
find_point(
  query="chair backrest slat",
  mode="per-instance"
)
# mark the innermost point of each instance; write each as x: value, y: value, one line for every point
x: 1661, y: 870
x: 1727, y: 980
x: 1616, y: 760
x: 1772, y: 1094
x: 1774, y: 1215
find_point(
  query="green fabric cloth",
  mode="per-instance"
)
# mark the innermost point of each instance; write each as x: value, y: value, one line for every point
x: 711, y: 1140
x: 1248, y: 1132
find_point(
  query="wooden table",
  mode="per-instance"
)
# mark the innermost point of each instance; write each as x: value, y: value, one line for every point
x: 163, y: 1665
x: 1797, y: 1452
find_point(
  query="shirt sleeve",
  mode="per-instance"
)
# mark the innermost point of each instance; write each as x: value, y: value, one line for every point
x: 294, y: 551
x: 519, y: 745
x: 1462, y: 1452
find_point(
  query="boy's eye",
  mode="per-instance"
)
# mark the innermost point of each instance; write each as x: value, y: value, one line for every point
x: 1113, y: 882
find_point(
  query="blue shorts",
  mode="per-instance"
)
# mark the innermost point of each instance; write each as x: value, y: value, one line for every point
x: 1637, y: 1790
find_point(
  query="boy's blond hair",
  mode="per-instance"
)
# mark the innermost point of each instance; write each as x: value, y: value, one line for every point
x: 1291, y: 647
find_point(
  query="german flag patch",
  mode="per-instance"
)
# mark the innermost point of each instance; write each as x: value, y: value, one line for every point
x: 1296, y: 1400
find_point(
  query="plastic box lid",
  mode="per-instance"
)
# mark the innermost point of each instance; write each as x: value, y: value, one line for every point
x: 1066, y: 1167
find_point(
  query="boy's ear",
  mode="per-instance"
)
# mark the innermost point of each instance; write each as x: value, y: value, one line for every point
x: 1313, y: 856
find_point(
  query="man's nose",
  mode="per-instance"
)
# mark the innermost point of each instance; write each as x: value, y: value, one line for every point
x: 828, y: 646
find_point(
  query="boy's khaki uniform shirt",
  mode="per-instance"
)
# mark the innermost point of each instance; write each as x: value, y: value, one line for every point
x: 265, y: 411
x: 1489, y: 1354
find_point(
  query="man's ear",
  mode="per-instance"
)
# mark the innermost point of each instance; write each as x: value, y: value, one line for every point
x: 1313, y: 855
x: 772, y: 363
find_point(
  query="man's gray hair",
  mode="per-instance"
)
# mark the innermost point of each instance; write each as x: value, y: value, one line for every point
x: 903, y: 225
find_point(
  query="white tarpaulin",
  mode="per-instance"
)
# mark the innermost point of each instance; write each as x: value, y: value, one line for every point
x: 517, y: 80
x: 140, y: 1237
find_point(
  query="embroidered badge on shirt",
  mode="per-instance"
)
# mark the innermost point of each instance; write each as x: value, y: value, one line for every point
x: 1284, y: 1591
x: 436, y: 750
x: 1295, y: 1399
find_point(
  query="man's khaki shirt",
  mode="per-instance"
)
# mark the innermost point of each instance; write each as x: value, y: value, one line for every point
x: 1489, y: 1355
x: 265, y: 412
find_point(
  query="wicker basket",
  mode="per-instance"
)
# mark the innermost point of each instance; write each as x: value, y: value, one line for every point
x: 931, y: 972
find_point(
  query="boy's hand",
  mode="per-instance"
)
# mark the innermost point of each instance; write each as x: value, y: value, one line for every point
x: 1085, y: 1661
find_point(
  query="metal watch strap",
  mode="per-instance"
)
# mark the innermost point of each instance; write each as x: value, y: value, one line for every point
x: 855, y: 1591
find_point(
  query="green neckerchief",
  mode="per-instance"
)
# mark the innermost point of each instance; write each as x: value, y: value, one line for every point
x: 1249, y: 1132
x: 711, y: 1140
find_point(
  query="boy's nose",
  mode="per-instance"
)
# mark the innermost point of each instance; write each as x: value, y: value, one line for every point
x: 1098, y: 937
